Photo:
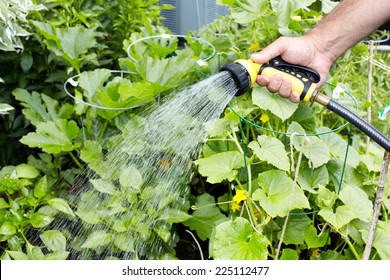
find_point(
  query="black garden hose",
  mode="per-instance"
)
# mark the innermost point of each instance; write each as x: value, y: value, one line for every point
x: 360, y: 123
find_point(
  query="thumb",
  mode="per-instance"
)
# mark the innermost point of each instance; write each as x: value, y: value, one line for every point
x: 275, y: 49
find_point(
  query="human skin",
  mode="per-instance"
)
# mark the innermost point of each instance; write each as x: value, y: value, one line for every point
x: 348, y: 23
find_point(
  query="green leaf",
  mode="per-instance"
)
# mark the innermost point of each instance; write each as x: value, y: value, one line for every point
x: 174, y: 216
x: 278, y: 194
x: 358, y: 202
x: 217, y: 127
x: 92, y: 82
x: 57, y: 255
x: 7, y: 229
x: 338, y: 147
x: 304, y: 115
x: 54, y: 240
x: 88, y: 207
x: 280, y: 107
x: 41, y: 187
x: 382, y: 240
x: 76, y: 41
x: 205, y: 216
x: 225, y: 2
x: 103, y: 186
x: 26, y: 171
x: 295, y: 231
x: 3, y: 203
x: 61, y: 205
x: 221, y: 166
x: 325, y: 197
x: 284, y: 9
x: 236, y: 240
x: 310, y: 179
x: 96, y: 239
x: 339, y: 218
x: 289, y: 254
x: 37, y: 111
x: 272, y: 151
x: 166, y: 73
x: 16, y: 255
x: 246, y: 11
x: 313, y: 240
x: 53, y: 137
x: 314, y: 149
x: 131, y: 177
x: 124, y: 241
x: 40, y: 220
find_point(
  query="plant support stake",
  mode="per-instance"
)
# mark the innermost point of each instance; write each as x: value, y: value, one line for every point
x: 377, y: 204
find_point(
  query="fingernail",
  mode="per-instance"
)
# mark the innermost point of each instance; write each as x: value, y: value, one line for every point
x: 286, y: 84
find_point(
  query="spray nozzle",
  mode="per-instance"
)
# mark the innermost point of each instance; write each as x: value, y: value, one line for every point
x: 244, y: 73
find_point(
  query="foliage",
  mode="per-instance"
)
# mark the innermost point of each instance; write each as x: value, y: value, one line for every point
x: 274, y: 179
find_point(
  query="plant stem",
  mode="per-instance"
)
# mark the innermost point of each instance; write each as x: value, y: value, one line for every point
x: 234, y: 138
x: 355, y: 253
x: 78, y: 163
x: 377, y: 204
x: 102, y: 132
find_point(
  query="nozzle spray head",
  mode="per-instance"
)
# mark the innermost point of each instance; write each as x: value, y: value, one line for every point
x: 244, y: 73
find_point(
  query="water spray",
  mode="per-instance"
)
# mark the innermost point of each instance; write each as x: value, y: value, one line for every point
x: 304, y: 81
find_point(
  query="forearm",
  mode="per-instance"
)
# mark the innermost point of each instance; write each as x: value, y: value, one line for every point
x: 349, y: 23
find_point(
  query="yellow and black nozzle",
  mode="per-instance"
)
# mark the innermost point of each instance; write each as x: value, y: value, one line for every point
x: 245, y: 71
x: 304, y: 81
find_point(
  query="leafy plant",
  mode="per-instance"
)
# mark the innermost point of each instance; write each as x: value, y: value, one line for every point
x: 275, y: 180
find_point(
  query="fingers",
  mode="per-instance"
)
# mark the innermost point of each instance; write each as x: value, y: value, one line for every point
x: 277, y: 84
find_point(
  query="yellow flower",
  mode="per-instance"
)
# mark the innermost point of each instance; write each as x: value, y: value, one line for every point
x: 254, y: 47
x: 296, y: 18
x: 240, y: 196
x: 264, y: 118
x: 316, y: 252
x: 236, y: 207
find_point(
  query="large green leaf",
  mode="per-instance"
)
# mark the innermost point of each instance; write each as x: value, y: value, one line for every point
x: 70, y: 43
x: 280, y: 107
x: 382, y: 240
x: 131, y: 177
x: 272, y: 151
x: 54, y: 240
x: 356, y: 206
x: 40, y: 220
x: 103, y: 186
x: 311, y: 179
x: 53, y: 137
x: 338, y: 147
x: 37, y: 111
x: 295, y: 230
x: 165, y: 73
x: 61, y: 205
x: 357, y: 201
x: 278, y: 194
x: 220, y: 166
x: 76, y: 41
x: 26, y: 171
x: 205, y: 216
x: 96, y: 239
x: 92, y: 81
x: 284, y: 9
x: 314, y: 149
x: 246, y: 11
x: 314, y: 240
x: 236, y: 240
x: 338, y: 218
